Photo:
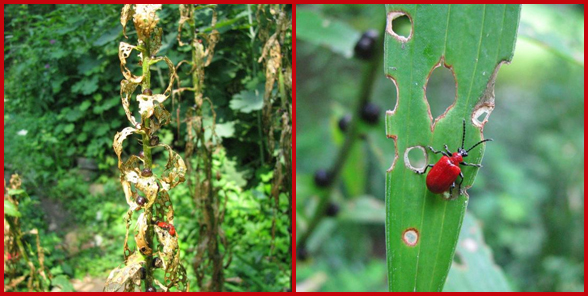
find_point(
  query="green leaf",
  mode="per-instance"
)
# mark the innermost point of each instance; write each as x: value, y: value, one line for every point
x: 73, y: 115
x: 10, y: 209
x: 474, y: 270
x: 85, y: 105
x: 422, y: 228
x: 543, y: 24
x: 225, y: 130
x: 86, y: 86
x: 337, y: 36
x: 63, y: 282
x: 57, y: 53
x: 365, y: 209
x: 15, y: 191
x: 248, y: 100
x: 108, y: 36
x: 69, y: 128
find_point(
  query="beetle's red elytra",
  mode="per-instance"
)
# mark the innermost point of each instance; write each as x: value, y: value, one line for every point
x: 168, y: 227
x: 444, y: 173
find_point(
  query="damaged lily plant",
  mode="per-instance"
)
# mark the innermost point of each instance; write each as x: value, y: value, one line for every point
x: 145, y: 187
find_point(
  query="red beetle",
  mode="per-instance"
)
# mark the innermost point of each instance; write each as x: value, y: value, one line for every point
x: 444, y: 173
x: 168, y: 227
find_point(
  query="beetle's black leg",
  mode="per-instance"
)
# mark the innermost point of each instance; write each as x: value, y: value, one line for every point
x: 426, y: 168
x: 447, y: 149
x: 471, y: 164
x: 459, y: 188
x: 451, y: 189
x: 439, y: 151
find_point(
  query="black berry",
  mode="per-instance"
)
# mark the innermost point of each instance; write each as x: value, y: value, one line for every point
x: 344, y: 122
x: 157, y: 263
x: 146, y: 173
x: 150, y: 289
x: 366, y: 46
x: 322, y: 178
x: 141, y: 200
x: 301, y: 253
x: 332, y: 210
x: 147, y: 92
x: 154, y: 141
x: 370, y: 113
x: 143, y: 272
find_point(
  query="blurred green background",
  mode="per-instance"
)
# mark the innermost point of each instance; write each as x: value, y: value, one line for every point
x: 529, y: 197
x: 63, y: 108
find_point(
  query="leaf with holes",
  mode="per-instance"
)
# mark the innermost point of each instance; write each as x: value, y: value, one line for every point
x: 472, y: 41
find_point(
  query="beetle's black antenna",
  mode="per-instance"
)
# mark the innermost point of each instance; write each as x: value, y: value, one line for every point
x: 463, y: 137
x: 487, y: 140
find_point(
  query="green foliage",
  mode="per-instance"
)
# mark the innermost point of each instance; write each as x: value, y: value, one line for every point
x: 10, y: 209
x: 62, y: 106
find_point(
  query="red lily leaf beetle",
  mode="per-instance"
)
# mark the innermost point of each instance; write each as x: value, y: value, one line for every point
x: 444, y: 173
x: 168, y: 227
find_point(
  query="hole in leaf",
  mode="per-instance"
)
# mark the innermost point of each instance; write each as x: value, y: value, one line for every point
x: 402, y: 26
x: 393, y: 95
x: 410, y: 237
x: 399, y: 26
x: 395, y: 151
x: 481, y: 115
x: 415, y: 158
x: 441, y: 90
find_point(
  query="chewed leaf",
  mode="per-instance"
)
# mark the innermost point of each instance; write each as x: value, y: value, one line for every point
x: 170, y: 245
x: 145, y: 19
x: 163, y: 117
x: 161, y: 286
x: 175, y: 170
x: 130, y: 195
x: 146, y: 104
x: 142, y: 227
x: 149, y: 187
x: 127, y: 88
x: 124, y: 51
x: 119, y: 139
x: 172, y: 73
x: 127, y: 277
x: 155, y: 42
x: 125, y: 16
x: 186, y: 15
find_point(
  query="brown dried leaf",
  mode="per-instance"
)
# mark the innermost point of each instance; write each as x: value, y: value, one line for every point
x: 175, y: 170
x: 163, y: 207
x: 155, y: 43
x: 212, y: 39
x: 145, y: 19
x: 142, y: 244
x: 186, y: 15
x: 149, y: 187
x: 170, y: 246
x: 127, y: 277
x: 119, y: 139
x: 125, y: 16
x: 146, y: 104
x: 124, y: 51
x: 126, y: 90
